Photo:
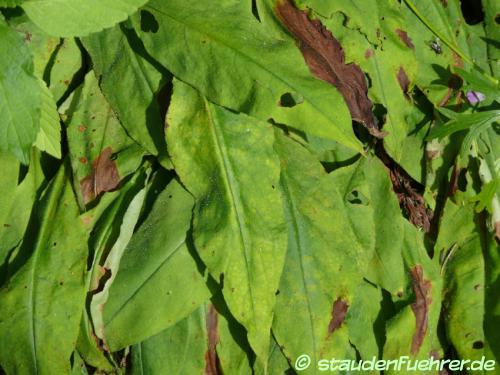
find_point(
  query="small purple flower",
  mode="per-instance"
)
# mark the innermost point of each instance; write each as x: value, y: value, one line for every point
x: 475, y: 97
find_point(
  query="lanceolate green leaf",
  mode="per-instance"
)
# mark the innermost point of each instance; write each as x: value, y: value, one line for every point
x: 256, y: 68
x: 16, y: 201
x: 42, y: 303
x: 112, y: 263
x: 79, y: 17
x: 49, y: 135
x: 459, y: 248
x: 322, y: 262
x: 20, y: 96
x: 119, y: 60
x: 227, y: 162
x: 94, y: 128
x: 102, y: 222
x: 156, y: 266
x: 181, y: 348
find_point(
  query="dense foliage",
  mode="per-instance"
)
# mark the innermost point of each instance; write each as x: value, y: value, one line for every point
x: 219, y: 187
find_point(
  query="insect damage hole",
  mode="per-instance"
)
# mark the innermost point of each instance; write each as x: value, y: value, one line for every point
x: 149, y: 24
x: 290, y: 100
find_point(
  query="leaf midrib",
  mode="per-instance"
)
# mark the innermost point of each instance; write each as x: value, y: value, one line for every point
x: 234, y: 193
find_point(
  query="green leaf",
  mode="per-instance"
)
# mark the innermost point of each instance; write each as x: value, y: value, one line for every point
x: 180, y: 348
x: 16, y: 201
x: 155, y: 266
x: 321, y: 244
x: 42, y: 302
x: 102, y: 223
x: 68, y: 18
x: 67, y: 62
x: 112, y: 263
x: 92, y: 129
x: 49, y: 135
x: 227, y: 162
x: 463, y: 269
x: 20, y: 96
x: 255, y: 66
x: 491, y: 9
x: 119, y: 61
x: 464, y: 121
x: 10, y: 3
x: 382, y: 48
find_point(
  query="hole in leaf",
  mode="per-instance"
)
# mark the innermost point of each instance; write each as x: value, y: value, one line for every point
x: 478, y: 345
x: 356, y: 197
x: 472, y: 11
x: 290, y: 100
x: 149, y: 24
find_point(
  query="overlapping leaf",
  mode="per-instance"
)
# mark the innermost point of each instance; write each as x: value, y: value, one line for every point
x: 227, y: 162
x: 256, y: 69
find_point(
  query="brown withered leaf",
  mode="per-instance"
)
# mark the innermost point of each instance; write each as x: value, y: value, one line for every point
x: 211, y: 359
x: 325, y: 57
x: 104, y: 177
x: 339, y: 311
x: 408, y: 192
x: 422, y: 291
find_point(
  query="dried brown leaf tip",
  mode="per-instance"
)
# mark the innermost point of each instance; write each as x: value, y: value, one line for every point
x: 211, y: 359
x: 104, y: 177
x: 422, y: 291
x: 325, y: 57
x: 339, y: 311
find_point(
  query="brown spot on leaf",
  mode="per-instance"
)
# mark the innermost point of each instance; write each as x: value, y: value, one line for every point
x: 404, y: 82
x: 368, y: 53
x: 325, y: 57
x: 6, y: 225
x: 83, y: 160
x: 453, y: 185
x: 66, y: 82
x: 444, y: 3
x: 458, y: 63
x: 211, y: 358
x: 104, y: 177
x: 420, y: 308
x: 27, y: 36
x: 339, y: 310
x: 82, y: 128
x: 403, y: 35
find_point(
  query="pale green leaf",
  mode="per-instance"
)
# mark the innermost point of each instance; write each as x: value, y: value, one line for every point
x: 227, y: 162
x: 68, y: 18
